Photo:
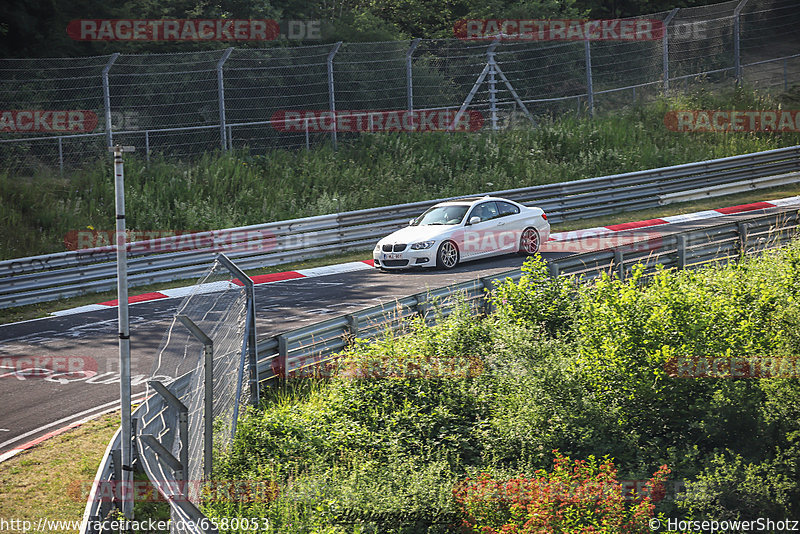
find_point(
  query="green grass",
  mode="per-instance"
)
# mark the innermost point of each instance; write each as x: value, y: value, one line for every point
x: 52, y: 480
x: 232, y: 189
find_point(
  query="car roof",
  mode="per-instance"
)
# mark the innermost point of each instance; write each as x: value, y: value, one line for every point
x: 468, y: 201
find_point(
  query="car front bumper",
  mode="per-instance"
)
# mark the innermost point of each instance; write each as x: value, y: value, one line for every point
x: 406, y: 259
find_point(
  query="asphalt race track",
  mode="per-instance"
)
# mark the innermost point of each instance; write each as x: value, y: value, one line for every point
x: 35, y: 405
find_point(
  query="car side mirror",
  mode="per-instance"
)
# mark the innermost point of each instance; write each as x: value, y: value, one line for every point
x: 411, y: 222
x: 474, y: 220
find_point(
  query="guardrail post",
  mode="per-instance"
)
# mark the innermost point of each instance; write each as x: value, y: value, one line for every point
x: 665, y: 46
x: 283, y: 358
x: 554, y: 269
x: 409, y: 80
x: 619, y: 264
x: 331, y: 98
x: 737, y: 61
x: 352, y: 325
x: 742, y: 230
x: 488, y: 285
x: 107, y: 98
x: 116, y: 465
x: 589, y: 88
x: 680, y: 258
x: 221, y: 96
x: 208, y: 392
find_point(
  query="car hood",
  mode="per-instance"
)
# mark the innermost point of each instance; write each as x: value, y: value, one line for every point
x: 415, y: 234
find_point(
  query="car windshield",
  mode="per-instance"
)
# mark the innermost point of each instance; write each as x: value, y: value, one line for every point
x: 448, y: 215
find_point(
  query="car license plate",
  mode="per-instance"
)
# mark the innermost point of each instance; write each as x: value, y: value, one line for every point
x: 392, y: 256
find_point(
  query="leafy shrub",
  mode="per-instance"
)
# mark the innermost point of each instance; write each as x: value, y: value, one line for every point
x: 580, y: 496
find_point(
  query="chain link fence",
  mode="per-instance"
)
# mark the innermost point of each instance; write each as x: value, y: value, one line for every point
x: 185, y: 104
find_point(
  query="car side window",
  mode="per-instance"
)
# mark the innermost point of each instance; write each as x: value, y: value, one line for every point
x: 486, y: 211
x: 507, y: 208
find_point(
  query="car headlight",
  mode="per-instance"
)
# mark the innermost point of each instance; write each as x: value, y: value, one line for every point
x: 422, y: 246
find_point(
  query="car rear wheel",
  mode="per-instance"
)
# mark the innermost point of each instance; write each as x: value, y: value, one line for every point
x: 529, y: 242
x: 447, y: 257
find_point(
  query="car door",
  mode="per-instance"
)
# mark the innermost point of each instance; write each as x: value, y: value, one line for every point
x: 509, y: 226
x: 480, y: 239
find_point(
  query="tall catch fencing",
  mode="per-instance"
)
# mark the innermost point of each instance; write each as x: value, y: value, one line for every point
x: 209, y: 351
x: 186, y: 104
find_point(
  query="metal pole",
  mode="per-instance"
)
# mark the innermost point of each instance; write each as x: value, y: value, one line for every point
x: 60, y: 156
x: 251, y: 321
x: 221, y: 96
x: 208, y: 393
x: 665, y: 46
x: 785, y: 75
x: 147, y: 145
x: 736, y: 52
x: 492, y: 85
x: 107, y: 98
x: 331, y: 99
x: 409, y: 81
x: 308, y: 145
x: 589, y: 88
x: 124, y: 331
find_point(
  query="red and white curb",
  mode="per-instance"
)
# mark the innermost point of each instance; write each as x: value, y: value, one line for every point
x: 367, y: 265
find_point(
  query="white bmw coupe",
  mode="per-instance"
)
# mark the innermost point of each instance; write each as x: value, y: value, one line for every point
x: 462, y: 230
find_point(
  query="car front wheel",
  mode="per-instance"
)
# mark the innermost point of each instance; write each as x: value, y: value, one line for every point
x: 447, y: 257
x: 529, y: 242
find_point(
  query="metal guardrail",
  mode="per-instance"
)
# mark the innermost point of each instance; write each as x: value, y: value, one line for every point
x: 299, y: 351
x: 67, y: 274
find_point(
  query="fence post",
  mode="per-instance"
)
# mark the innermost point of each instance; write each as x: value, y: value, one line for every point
x: 492, y: 84
x: 107, y: 98
x: 60, y: 156
x: 221, y: 96
x: 183, y: 420
x: 331, y: 98
x: 409, y: 81
x: 589, y: 88
x: 665, y: 46
x: 208, y: 393
x: 147, y: 145
x: 737, y: 60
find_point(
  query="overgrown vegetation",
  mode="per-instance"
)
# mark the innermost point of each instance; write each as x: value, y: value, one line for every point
x: 412, y: 429
x: 227, y: 190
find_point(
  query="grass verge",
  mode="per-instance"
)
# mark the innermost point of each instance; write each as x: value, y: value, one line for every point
x: 43, y: 482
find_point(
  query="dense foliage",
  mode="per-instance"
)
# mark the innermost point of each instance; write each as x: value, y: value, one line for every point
x: 38, y: 27
x: 224, y: 191
x: 397, y: 442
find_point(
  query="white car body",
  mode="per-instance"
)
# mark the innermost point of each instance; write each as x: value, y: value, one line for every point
x: 490, y: 226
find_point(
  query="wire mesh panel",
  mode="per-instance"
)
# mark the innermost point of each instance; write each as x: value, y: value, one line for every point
x: 218, y: 307
x: 168, y: 91
x: 48, y: 99
x: 769, y: 29
x: 701, y: 41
